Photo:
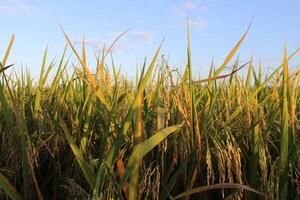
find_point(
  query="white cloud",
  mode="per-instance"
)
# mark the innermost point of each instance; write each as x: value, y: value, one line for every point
x: 178, y: 12
x: 99, y: 44
x: 198, y: 24
x: 195, y: 5
x: 141, y: 36
x: 188, y: 7
x: 5, y: 9
x: 129, y: 40
x: 16, y: 8
x: 136, y: 37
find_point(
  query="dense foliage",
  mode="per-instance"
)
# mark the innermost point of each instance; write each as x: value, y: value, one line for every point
x: 82, y: 135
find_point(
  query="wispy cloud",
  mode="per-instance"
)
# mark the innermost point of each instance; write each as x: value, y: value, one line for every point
x: 16, y: 8
x: 99, y: 44
x: 141, y: 36
x: 130, y: 40
x: 188, y: 7
x: 195, y: 5
x: 197, y: 24
x: 178, y: 12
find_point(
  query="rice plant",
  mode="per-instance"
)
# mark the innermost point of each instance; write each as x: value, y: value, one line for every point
x: 86, y: 134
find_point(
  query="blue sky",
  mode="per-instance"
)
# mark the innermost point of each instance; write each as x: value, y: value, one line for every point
x: 215, y: 27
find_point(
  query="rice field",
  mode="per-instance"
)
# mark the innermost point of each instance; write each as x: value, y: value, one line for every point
x: 84, y: 134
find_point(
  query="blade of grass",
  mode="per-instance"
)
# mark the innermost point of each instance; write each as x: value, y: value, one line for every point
x: 284, y: 141
x: 218, y: 186
x: 9, y: 189
x: 83, y: 164
x: 91, y: 78
x: 232, y: 52
x: 142, y: 149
